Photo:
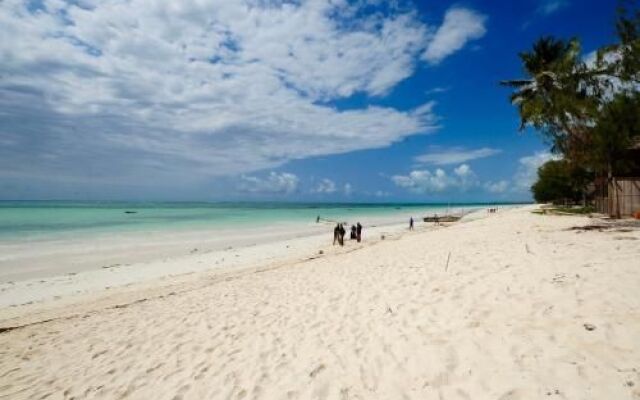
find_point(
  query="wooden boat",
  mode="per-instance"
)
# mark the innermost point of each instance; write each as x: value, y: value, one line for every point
x: 441, y: 218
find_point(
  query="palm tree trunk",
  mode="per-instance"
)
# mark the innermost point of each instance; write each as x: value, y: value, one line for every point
x: 615, y: 201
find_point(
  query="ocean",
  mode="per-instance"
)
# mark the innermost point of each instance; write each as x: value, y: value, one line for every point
x: 55, y: 219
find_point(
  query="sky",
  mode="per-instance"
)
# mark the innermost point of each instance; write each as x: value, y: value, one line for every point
x: 319, y: 100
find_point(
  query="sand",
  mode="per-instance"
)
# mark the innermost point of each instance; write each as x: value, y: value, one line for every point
x: 512, y: 306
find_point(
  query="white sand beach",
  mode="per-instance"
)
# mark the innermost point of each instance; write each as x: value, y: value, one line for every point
x: 512, y: 305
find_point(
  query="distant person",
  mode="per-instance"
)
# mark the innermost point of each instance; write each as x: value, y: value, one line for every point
x: 411, y: 223
x: 353, y: 232
x: 318, y: 219
x: 342, y: 232
x: 336, y: 234
x: 359, y: 232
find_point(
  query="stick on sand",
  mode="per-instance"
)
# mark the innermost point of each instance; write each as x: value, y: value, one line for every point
x: 447, y: 266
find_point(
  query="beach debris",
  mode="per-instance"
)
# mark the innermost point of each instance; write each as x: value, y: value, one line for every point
x: 559, y: 279
x: 589, y: 327
x: 381, y: 237
x: 526, y: 246
x: 321, y: 252
x: 630, y: 383
x: 446, y: 267
x: 599, y: 228
x: 316, y: 370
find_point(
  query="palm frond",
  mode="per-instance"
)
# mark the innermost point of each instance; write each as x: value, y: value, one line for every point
x: 517, y: 83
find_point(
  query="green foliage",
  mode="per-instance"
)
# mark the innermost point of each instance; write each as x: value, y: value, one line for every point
x: 553, y: 99
x: 577, y: 210
x: 628, y: 28
x: 588, y: 111
x: 617, y: 128
x: 563, y: 97
x: 560, y: 182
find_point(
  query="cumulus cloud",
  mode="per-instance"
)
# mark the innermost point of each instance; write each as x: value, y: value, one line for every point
x: 463, y: 171
x: 325, y: 186
x: 463, y: 178
x: 454, y: 155
x: 497, y: 187
x: 274, y: 183
x: 425, y: 181
x: 527, y: 171
x: 460, y: 26
x: 180, y: 90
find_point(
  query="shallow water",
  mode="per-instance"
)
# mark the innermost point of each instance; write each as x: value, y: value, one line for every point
x: 59, y: 219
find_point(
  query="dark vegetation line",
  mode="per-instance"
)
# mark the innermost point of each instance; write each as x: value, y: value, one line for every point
x: 588, y: 111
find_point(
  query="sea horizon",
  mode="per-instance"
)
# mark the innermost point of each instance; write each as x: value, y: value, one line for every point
x: 44, y: 219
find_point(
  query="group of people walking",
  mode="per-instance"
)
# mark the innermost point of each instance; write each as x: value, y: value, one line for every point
x: 356, y: 231
x: 339, y: 232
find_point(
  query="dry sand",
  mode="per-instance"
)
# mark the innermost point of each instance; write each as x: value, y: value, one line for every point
x: 512, y: 306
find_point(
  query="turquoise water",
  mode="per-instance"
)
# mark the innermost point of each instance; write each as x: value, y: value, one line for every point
x: 44, y: 219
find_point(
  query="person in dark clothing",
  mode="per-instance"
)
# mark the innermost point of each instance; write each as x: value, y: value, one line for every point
x: 411, y: 223
x: 353, y: 232
x: 342, y: 232
x: 359, y: 232
x: 336, y: 234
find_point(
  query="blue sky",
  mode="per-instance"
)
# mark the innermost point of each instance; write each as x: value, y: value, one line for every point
x: 326, y: 100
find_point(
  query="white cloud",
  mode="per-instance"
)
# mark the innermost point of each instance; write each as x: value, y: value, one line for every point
x: 192, y: 89
x: 325, y: 186
x: 549, y: 7
x: 527, y: 171
x: 274, y: 183
x: 464, y: 172
x: 437, y: 89
x: 463, y: 178
x: 381, y: 193
x: 454, y: 155
x: 460, y: 26
x: 497, y: 187
x: 425, y: 181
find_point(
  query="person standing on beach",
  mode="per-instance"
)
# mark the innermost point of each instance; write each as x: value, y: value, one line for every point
x: 411, y: 223
x: 342, y: 232
x: 336, y: 234
x: 359, y: 232
x: 353, y: 232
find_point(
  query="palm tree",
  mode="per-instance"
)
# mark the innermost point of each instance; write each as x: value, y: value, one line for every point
x: 554, y: 97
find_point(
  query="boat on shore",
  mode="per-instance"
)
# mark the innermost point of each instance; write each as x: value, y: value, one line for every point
x: 442, y: 218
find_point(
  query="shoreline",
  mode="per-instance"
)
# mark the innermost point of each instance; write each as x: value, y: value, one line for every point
x: 74, y: 252
x: 188, y: 256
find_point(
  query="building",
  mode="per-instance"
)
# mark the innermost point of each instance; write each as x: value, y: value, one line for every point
x: 620, y: 196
